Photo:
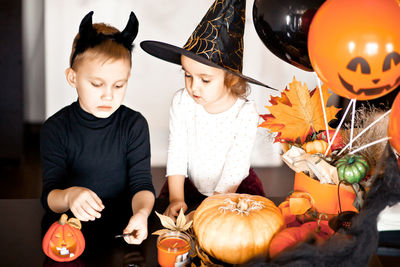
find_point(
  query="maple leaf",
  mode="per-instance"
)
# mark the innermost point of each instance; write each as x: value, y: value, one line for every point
x: 180, y: 225
x: 297, y: 113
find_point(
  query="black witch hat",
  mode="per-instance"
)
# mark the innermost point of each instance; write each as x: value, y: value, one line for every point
x: 217, y: 41
x: 89, y: 37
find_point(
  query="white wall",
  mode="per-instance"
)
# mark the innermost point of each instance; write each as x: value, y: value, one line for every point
x: 154, y: 81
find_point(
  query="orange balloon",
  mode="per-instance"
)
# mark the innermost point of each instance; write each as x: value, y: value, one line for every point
x: 354, y: 47
x: 394, y: 124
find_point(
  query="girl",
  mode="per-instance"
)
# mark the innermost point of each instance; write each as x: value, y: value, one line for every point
x: 212, y: 125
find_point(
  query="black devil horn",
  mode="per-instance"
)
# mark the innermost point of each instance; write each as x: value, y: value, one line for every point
x: 131, y: 30
x: 86, y: 27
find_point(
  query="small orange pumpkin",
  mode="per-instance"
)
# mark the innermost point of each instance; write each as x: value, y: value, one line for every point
x: 316, y: 146
x: 64, y: 240
x: 235, y: 227
x: 291, y: 236
x: 297, y: 203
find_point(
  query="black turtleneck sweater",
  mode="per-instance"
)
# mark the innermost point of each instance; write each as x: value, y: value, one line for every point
x: 109, y: 156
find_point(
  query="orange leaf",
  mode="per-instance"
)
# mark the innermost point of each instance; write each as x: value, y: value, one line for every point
x: 299, y: 112
x: 283, y: 99
x: 271, y: 124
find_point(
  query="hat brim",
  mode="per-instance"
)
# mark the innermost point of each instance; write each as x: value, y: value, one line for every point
x: 173, y: 54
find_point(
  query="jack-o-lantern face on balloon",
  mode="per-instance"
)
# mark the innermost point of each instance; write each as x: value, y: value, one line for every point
x: 354, y: 47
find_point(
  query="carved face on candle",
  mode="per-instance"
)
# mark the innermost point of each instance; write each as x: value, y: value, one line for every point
x: 64, y: 240
x: 358, y: 55
x: 63, y: 243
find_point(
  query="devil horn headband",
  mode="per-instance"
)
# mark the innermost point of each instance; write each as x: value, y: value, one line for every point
x: 89, y: 37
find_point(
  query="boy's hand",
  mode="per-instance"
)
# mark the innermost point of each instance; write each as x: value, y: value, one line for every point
x: 174, y: 208
x: 84, y: 203
x: 138, y: 227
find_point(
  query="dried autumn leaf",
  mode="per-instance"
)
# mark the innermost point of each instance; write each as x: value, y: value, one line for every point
x: 297, y: 113
x: 283, y: 99
x: 187, y: 226
x: 160, y: 232
x: 181, y: 224
x: 180, y: 220
x: 74, y: 222
x: 166, y: 221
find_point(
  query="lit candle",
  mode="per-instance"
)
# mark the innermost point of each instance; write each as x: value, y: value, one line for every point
x: 171, y: 245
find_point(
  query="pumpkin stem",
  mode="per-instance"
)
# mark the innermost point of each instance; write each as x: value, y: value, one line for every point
x: 63, y: 219
x: 243, y: 206
x: 351, y: 160
x: 318, y: 228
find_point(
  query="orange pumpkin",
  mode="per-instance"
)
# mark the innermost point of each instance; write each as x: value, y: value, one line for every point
x: 316, y: 146
x: 64, y: 240
x: 235, y: 227
x: 358, y: 55
x: 291, y: 236
x: 338, y: 143
x: 297, y: 203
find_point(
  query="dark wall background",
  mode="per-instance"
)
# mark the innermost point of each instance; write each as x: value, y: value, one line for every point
x: 11, y: 77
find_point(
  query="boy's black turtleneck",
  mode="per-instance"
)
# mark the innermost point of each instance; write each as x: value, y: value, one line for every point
x: 110, y: 156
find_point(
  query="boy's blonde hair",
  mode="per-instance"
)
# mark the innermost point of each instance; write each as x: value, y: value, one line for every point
x: 237, y: 85
x: 108, y: 49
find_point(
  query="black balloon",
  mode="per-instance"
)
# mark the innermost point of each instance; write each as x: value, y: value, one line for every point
x: 283, y: 26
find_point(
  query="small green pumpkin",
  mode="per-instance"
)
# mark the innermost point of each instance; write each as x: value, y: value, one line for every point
x: 352, y: 168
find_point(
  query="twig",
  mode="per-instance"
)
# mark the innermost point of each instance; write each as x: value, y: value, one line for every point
x: 363, y: 131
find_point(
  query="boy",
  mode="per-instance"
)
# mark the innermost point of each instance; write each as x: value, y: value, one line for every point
x: 97, y: 151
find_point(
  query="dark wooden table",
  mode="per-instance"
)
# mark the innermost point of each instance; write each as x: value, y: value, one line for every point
x: 22, y: 230
x: 21, y: 236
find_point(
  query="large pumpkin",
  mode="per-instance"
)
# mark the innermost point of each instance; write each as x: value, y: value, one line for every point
x: 235, y: 227
x: 64, y: 240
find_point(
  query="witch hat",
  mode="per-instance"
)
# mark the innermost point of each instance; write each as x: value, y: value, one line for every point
x: 217, y: 41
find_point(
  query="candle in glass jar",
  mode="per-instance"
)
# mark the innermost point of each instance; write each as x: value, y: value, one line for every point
x: 171, y: 245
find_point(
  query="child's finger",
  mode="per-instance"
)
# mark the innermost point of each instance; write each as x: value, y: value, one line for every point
x: 172, y: 212
x: 87, y: 212
x: 93, y: 205
x: 79, y: 213
x: 137, y: 237
x: 91, y: 211
x: 97, y: 204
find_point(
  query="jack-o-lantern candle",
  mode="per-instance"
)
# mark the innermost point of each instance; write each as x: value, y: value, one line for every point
x: 64, y: 240
x: 354, y: 47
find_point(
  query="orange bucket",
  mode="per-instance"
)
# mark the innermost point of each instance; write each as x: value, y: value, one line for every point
x: 325, y: 195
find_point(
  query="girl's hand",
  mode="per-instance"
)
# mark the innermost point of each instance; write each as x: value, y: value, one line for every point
x: 138, y: 227
x: 174, y: 207
x: 84, y: 203
x: 189, y: 216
